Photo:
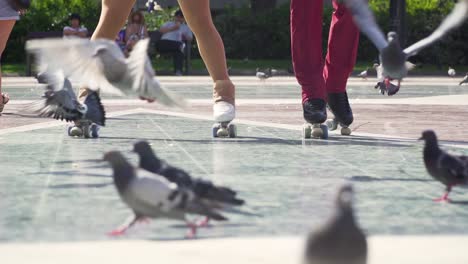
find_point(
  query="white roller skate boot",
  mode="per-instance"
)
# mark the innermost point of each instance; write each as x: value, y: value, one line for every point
x: 224, y: 109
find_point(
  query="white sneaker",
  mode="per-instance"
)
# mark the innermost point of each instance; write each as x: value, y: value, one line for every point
x: 223, y: 112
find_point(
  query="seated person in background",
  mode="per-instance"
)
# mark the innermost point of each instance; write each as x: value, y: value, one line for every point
x: 75, y: 29
x: 174, y: 33
x: 120, y: 39
x: 136, y: 27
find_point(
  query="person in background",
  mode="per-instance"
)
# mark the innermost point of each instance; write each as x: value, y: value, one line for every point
x: 172, y: 40
x: 75, y: 30
x: 136, y: 27
x: 8, y: 18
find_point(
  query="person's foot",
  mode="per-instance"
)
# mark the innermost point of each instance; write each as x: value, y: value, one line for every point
x: 339, y: 106
x: 223, y: 112
x: 315, y: 111
x: 4, y: 99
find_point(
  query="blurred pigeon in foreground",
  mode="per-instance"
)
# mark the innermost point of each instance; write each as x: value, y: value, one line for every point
x: 340, y: 241
x: 448, y: 169
x: 392, y: 56
x: 151, y: 195
x: 61, y: 103
x: 451, y: 72
x: 101, y: 65
x: 221, y: 197
x: 465, y: 80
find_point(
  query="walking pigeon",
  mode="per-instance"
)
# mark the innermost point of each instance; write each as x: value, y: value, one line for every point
x: 392, y: 56
x: 340, y: 240
x: 364, y: 74
x: 101, y: 65
x: 61, y: 103
x: 451, y: 72
x: 448, y: 169
x: 204, y: 189
x: 152, y: 196
x: 264, y: 75
x: 465, y: 79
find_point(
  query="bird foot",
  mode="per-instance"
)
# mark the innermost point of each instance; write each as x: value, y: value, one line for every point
x: 204, y: 222
x: 150, y: 100
x: 117, y: 232
x: 390, y: 88
x: 442, y: 199
x: 192, y: 232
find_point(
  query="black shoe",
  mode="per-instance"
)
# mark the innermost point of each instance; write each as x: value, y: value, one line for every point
x: 315, y: 111
x: 339, y: 106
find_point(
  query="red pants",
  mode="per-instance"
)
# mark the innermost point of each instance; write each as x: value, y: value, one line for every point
x: 316, y: 79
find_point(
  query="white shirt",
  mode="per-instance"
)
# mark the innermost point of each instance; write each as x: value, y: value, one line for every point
x: 80, y: 29
x: 180, y: 34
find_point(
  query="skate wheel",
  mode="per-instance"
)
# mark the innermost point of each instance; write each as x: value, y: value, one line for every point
x: 232, y: 130
x: 345, y: 131
x: 94, y: 131
x: 75, y: 131
x: 332, y: 124
x: 306, y: 131
x: 222, y: 132
x: 324, y: 131
x: 214, y: 130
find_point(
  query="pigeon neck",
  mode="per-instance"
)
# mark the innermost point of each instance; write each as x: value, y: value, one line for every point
x: 123, y: 174
x: 150, y: 163
x: 431, y: 147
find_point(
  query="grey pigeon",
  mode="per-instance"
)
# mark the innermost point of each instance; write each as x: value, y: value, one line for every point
x: 392, y: 56
x: 465, y: 79
x: 204, y: 189
x: 340, y: 241
x: 263, y: 75
x: 60, y: 102
x: 364, y: 74
x: 152, y: 196
x: 448, y: 169
x: 101, y: 65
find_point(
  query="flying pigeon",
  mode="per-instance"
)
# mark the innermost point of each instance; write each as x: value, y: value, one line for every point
x: 340, y: 240
x: 465, y: 79
x: 364, y: 74
x: 150, y: 195
x: 448, y: 169
x: 101, y: 65
x: 60, y: 102
x: 221, y: 196
x: 392, y: 56
x: 451, y: 72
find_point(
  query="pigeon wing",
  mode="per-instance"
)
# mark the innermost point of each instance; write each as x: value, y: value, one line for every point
x: 365, y: 20
x: 452, y: 21
x: 79, y: 59
x: 144, y: 82
x: 456, y: 166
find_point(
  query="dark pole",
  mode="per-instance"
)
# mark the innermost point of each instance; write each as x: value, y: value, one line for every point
x: 398, y: 19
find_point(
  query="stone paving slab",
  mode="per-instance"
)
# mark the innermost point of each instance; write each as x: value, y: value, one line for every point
x: 263, y: 250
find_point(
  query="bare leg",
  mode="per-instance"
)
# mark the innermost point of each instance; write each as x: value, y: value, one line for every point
x: 113, y: 16
x: 198, y: 16
x: 6, y: 26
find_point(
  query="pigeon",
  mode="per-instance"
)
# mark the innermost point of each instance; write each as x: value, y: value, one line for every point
x: 60, y: 102
x: 465, y: 79
x: 340, y: 240
x: 204, y: 189
x: 264, y: 75
x: 451, y: 72
x: 150, y: 195
x: 364, y: 74
x: 448, y: 169
x: 393, y: 58
x: 101, y: 65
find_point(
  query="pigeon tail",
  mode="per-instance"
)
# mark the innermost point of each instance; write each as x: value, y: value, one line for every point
x: 95, y: 112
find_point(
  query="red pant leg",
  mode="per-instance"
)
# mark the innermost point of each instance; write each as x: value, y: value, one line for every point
x: 342, y: 49
x: 306, y: 47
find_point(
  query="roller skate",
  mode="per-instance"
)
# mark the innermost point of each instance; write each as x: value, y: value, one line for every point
x: 83, y: 128
x: 338, y: 104
x: 315, y: 113
x: 224, y: 110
